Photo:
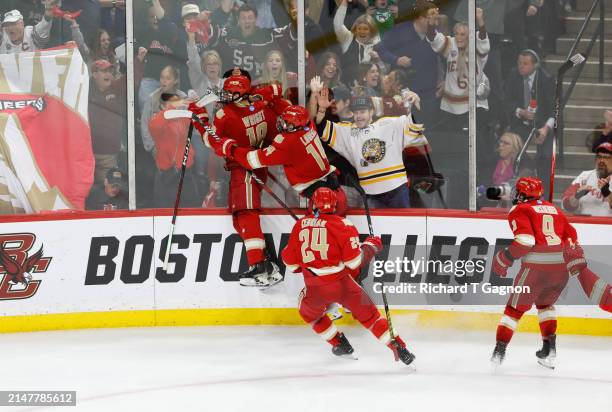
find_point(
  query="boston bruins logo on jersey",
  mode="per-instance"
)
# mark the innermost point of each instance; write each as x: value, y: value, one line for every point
x: 372, y: 151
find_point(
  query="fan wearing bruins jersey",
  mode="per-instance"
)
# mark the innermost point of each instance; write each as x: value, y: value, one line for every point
x: 455, y: 51
x: 375, y: 150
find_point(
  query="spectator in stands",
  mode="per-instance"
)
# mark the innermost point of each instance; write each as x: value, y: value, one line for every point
x: 316, y: 43
x: 369, y: 78
x: 589, y: 193
x: 88, y: 19
x: 340, y: 98
x: 392, y: 100
x: 357, y: 43
x: 529, y: 94
x: 602, y: 132
x: 374, y: 149
x: 102, y: 49
x: 329, y: 70
x: 275, y: 71
x: 384, y: 13
x: 328, y: 10
x: 159, y: 36
x: 107, y: 113
x: 265, y: 15
x: 508, y: 149
x: 247, y: 44
x: 169, y: 80
x: 205, y: 72
x: 32, y: 10
x: 195, y: 29
x: 406, y: 46
x: 16, y: 37
x: 112, y: 19
x: 170, y: 138
x: 111, y: 194
x: 455, y: 50
x: 224, y: 16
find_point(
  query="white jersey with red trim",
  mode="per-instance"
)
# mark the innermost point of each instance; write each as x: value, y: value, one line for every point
x: 455, y: 98
x: 376, y: 150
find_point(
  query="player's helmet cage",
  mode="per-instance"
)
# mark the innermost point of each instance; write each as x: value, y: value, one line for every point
x: 324, y: 200
x: 235, y: 88
x: 292, y: 119
x: 527, y: 188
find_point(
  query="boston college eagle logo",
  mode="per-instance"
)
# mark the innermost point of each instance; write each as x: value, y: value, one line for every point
x: 18, y: 267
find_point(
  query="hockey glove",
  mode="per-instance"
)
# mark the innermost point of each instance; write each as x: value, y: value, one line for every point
x: 370, y: 247
x: 202, y: 115
x: 502, y: 262
x: 574, y: 259
x: 224, y: 147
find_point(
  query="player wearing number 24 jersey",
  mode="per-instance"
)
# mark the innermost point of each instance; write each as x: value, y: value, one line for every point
x: 326, y: 249
x: 541, y: 233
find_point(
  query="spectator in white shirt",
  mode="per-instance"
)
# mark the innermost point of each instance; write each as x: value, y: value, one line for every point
x: 589, y: 193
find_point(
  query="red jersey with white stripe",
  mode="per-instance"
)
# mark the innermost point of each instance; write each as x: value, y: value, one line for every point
x: 544, y: 230
x: 250, y: 124
x: 327, y: 245
x: 301, y: 154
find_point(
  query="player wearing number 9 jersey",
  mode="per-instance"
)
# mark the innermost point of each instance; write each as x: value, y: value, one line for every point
x: 298, y: 149
x: 541, y: 233
x: 251, y: 124
x: 326, y: 248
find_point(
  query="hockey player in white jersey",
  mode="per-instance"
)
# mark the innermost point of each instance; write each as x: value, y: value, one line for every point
x: 455, y: 51
x: 374, y: 149
x: 15, y: 37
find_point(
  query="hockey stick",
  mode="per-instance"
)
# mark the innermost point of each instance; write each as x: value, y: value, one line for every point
x: 573, y: 61
x: 186, y: 113
x: 519, y: 158
x: 366, y: 206
x: 272, y: 194
x: 433, y: 173
x: 206, y: 99
x: 177, y: 200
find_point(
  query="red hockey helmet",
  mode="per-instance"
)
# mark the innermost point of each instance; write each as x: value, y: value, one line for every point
x: 324, y: 200
x: 293, y: 118
x: 528, y: 188
x: 235, y: 88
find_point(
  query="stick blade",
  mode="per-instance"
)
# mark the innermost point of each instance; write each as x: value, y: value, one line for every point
x: 177, y: 114
x: 208, y: 98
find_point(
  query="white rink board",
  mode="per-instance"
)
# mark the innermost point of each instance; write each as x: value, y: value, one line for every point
x: 66, y: 288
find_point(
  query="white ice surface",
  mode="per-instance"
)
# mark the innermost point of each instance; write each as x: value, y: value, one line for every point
x: 264, y: 368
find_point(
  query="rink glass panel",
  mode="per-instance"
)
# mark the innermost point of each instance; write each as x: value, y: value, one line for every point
x: 187, y: 65
x: 543, y: 36
x: 76, y: 129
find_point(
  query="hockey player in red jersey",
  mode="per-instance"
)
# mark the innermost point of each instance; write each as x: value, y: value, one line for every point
x: 297, y: 148
x: 596, y: 289
x: 326, y: 248
x: 541, y: 232
x: 251, y: 124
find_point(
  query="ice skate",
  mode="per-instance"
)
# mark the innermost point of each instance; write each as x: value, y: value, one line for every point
x: 333, y: 311
x: 257, y: 276
x: 499, y: 353
x: 344, y: 349
x: 547, y: 355
x: 402, y: 353
x: 274, y: 276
